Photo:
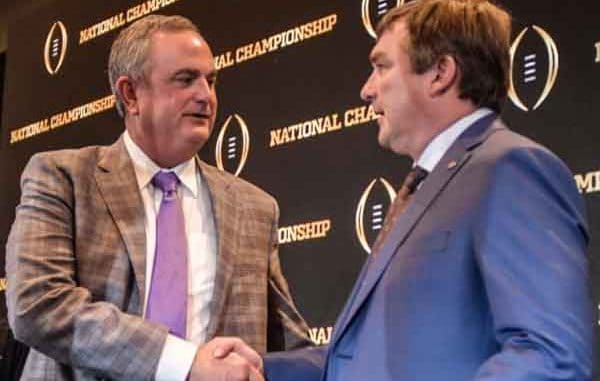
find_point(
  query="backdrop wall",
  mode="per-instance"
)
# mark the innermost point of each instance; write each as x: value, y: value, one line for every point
x: 290, y: 117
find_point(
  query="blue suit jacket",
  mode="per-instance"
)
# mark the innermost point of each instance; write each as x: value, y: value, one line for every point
x: 484, y: 277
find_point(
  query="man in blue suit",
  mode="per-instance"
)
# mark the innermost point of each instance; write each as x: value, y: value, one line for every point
x: 482, y: 273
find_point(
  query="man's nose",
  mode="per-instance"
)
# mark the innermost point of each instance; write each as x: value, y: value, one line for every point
x: 367, y: 92
x: 203, y: 89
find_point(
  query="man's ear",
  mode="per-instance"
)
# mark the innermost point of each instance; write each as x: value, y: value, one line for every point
x: 127, y: 89
x: 444, y: 74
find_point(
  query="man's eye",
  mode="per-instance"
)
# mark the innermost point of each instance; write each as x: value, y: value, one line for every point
x: 184, y: 79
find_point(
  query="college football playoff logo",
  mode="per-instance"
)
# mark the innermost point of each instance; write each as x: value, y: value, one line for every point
x: 371, y: 210
x: 55, y: 47
x: 374, y: 10
x: 534, y: 68
x: 233, y: 145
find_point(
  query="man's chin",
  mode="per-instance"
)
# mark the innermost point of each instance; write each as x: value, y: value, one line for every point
x: 383, y: 140
x: 199, y: 133
x: 198, y: 140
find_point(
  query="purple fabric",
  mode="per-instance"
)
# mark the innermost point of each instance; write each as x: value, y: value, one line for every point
x: 167, y: 300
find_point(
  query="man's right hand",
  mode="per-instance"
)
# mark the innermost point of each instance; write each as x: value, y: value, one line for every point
x: 226, y: 359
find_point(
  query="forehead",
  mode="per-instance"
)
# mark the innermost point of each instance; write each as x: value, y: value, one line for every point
x: 390, y: 41
x: 172, y: 49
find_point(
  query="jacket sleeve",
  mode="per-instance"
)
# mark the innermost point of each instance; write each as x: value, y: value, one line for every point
x: 531, y: 249
x: 47, y: 308
x: 286, y: 327
x: 304, y: 364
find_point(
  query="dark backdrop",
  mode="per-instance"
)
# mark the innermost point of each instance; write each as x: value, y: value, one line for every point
x: 316, y: 178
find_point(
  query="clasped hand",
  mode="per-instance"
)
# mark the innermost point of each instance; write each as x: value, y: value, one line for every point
x: 226, y: 359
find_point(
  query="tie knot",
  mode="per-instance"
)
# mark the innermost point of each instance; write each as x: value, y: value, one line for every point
x: 414, y: 178
x: 167, y: 182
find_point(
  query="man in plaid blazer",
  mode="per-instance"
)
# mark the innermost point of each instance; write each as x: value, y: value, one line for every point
x: 77, y: 255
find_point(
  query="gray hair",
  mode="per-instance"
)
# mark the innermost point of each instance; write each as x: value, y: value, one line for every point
x: 129, y: 52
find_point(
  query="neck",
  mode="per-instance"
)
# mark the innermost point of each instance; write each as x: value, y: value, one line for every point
x: 162, y: 155
x: 442, y: 118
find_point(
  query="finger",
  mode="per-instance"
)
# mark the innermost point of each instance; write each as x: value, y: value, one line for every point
x: 223, y: 346
x: 241, y: 370
x: 236, y: 368
x: 256, y: 375
x: 249, y: 354
x: 227, y: 345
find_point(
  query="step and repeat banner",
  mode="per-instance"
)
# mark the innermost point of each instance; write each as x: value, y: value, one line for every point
x: 290, y: 116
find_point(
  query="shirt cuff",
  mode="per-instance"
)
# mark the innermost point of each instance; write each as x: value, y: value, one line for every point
x: 176, y: 359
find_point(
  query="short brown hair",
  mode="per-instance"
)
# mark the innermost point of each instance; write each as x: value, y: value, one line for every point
x: 476, y: 33
x: 129, y: 52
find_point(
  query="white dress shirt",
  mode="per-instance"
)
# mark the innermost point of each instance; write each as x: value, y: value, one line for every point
x: 438, y: 146
x: 177, y: 355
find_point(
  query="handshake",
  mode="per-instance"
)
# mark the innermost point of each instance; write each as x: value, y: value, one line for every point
x: 226, y: 359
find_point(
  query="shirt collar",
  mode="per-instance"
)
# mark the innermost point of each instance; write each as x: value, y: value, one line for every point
x: 145, y: 168
x: 438, y: 146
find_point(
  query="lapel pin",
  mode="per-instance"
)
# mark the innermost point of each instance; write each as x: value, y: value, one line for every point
x: 452, y: 164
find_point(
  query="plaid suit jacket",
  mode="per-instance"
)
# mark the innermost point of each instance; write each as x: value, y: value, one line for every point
x: 76, y: 267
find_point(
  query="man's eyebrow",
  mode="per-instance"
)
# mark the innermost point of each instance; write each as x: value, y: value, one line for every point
x: 187, y: 71
x: 195, y: 72
x: 376, y: 56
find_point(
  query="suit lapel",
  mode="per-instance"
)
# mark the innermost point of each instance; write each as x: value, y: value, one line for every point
x: 450, y: 164
x: 118, y: 187
x: 225, y: 212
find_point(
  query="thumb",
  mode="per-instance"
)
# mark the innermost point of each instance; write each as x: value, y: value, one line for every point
x: 223, y: 349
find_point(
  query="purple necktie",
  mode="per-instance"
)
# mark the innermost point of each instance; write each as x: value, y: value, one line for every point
x: 167, y: 300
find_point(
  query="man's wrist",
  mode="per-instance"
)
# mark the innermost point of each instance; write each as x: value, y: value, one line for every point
x: 176, y: 359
